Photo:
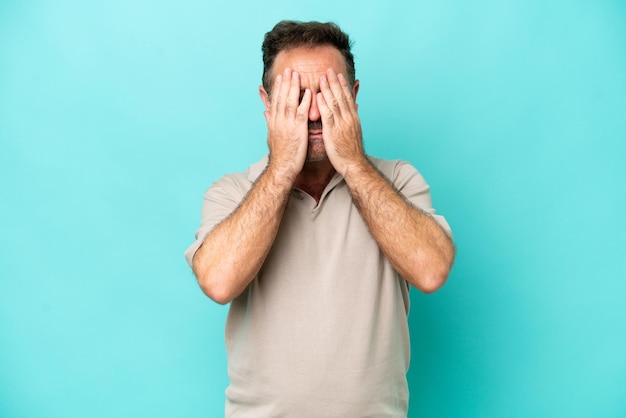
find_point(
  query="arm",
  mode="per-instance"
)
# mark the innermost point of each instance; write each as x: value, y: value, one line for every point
x: 234, y: 251
x: 418, y: 248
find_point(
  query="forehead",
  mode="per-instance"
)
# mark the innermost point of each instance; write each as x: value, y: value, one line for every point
x: 307, y: 60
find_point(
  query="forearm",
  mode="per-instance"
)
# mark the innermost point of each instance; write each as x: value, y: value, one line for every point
x: 417, y: 247
x: 234, y: 251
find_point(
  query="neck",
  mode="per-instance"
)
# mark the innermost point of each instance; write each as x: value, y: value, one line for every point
x: 314, y: 178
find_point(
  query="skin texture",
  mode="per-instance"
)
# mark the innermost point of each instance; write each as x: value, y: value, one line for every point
x: 314, y: 131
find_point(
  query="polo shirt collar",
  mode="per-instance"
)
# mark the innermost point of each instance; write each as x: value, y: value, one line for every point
x: 257, y: 168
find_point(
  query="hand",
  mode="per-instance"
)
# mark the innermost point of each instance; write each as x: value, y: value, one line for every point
x: 341, y: 126
x: 287, y: 124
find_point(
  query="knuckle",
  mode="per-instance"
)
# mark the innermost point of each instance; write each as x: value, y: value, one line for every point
x: 301, y: 113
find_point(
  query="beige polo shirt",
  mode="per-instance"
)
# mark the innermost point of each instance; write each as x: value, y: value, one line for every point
x: 322, y: 330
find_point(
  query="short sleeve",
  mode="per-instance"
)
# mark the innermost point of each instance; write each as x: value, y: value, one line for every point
x: 220, y: 200
x: 412, y: 185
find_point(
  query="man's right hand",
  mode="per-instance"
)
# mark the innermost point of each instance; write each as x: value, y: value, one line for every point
x: 287, y: 125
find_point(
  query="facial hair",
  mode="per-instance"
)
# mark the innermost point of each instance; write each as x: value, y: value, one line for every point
x: 315, y: 125
x: 319, y: 154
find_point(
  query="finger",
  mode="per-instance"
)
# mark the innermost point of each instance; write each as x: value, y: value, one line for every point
x: 274, y: 94
x: 293, y: 95
x: 330, y: 103
x: 333, y: 103
x: 283, y: 92
x: 347, y: 92
x: 326, y: 112
x: 305, y: 106
x: 338, y: 91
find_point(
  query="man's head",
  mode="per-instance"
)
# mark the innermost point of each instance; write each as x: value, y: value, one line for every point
x: 288, y: 35
x: 310, y: 50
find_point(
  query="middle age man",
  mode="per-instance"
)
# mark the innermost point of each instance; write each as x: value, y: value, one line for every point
x: 314, y: 246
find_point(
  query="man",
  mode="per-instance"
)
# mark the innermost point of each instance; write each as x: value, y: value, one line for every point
x: 315, y: 247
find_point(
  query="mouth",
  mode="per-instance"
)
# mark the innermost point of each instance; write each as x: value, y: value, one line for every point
x: 315, y: 129
x: 315, y: 134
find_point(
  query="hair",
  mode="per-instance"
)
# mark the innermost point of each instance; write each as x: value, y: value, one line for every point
x: 289, y: 34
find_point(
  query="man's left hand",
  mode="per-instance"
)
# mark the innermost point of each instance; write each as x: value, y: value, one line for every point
x: 341, y: 126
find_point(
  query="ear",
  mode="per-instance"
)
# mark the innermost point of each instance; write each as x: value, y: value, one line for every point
x: 355, y: 91
x: 265, y: 98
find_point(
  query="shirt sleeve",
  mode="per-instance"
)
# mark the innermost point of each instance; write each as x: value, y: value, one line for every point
x: 412, y: 185
x: 220, y: 200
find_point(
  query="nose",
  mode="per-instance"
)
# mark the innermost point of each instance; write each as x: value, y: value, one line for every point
x: 314, y: 112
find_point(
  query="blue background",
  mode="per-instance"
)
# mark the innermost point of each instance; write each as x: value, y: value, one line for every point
x: 115, y: 116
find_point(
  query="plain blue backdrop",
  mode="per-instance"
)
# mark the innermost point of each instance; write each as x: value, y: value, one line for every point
x: 115, y: 116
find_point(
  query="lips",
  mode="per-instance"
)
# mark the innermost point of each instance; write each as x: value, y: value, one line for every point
x: 315, y: 129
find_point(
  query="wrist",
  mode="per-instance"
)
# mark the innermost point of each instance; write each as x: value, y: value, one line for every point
x: 356, y: 168
x: 281, y: 174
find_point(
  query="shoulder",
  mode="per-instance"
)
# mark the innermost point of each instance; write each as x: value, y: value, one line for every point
x: 401, y: 174
x: 238, y: 184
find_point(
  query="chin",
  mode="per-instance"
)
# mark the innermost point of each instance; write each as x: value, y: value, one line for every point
x: 316, y: 152
x: 316, y: 159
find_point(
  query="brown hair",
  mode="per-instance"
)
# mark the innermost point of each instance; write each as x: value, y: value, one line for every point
x: 288, y: 34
